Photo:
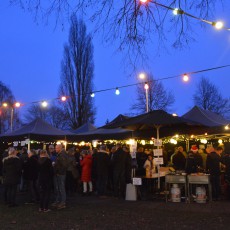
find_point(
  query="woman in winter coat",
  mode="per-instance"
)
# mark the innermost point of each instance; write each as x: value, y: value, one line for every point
x: 45, y: 180
x: 86, y: 169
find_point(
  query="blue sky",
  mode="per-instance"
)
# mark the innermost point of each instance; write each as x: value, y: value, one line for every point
x: 31, y: 53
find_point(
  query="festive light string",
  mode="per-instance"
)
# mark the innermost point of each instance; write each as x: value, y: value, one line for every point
x: 179, y: 11
x: 116, y: 89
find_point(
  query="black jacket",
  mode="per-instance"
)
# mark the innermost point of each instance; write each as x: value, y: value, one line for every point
x: 213, y: 163
x: 11, y: 170
x: 30, y: 168
x: 45, y: 169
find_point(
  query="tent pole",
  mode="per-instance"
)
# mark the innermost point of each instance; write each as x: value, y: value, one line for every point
x: 158, y: 166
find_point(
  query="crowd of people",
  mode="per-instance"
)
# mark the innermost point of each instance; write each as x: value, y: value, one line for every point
x: 49, y: 176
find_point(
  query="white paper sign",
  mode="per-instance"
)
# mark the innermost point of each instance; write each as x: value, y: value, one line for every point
x: 137, y: 181
x: 15, y: 143
x: 159, y: 161
x: 23, y: 143
x: 157, y: 142
x: 157, y: 152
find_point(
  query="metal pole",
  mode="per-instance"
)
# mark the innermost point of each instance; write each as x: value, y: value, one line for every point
x: 11, y: 119
x: 147, y: 100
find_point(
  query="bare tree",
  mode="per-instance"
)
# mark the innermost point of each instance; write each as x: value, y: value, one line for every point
x: 208, y: 97
x: 131, y: 22
x: 53, y: 114
x: 77, y: 72
x: 8, y: 114
x: 156, y: 96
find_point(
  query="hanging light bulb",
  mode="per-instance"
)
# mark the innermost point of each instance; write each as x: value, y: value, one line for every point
x: 92, y: 95
x: 5, y: 104
x: 143, y: 1
x: 117, y: 91
x: 17, y: 104
x: 218, y: 25
x: 226, y: 127
x: 44, y: 104
x: 185, y: 77
x: 177, y: 11
x: 63, y: 98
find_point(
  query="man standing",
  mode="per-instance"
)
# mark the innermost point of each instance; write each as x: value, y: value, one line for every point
x: 101, y: 169
x: 60, y: 168
x: 213, y: 166
x: 11, y: 176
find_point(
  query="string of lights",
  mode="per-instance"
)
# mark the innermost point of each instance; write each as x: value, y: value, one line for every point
x: 178, y: 11
x: 184, y: 76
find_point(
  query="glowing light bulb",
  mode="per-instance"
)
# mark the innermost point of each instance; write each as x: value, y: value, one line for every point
x: 63, y: 98
x: 117, y: 91
x: 218, y: 25
x: 174, y: 114
x: 146, y: 86
x: 5, y: 104
x: 92, y: 95
x: 44, y: 104
x: 185, y: 77
x: 143, y: 1
x: 142, y: 76
x: 177, y: 11
x: 17, y: 104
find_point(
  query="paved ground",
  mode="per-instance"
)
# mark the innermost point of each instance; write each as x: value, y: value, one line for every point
x: 94, y: 213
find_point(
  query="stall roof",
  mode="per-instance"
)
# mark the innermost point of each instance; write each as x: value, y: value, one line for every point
x: 37, y: 130
x: 205, y: 117
x: 87, y: 127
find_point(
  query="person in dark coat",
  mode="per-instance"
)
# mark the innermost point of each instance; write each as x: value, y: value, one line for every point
x: 194, y: 161
x: 226, y: 162
x: 101, y: 169
x: 179, y: 159
x: 120, y: 162
x: 141, y: 157
x: 213, y: 167
x: 31, y: 175
x: 45, y: 180
x: 11, y: 177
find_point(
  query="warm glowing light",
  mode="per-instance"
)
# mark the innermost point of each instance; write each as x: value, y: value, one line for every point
x: 226, y: 127
x: 44, y: 104
x: 142, y: 76
x: 173, y: 141
x: 206, y: 134
x: 17, y: 104
x: 177, y: 11
x: 218, y: 25
x: 143, y: 1
x: 63, y: 98
x: 220, y: 141
x: 92, y: 95
x: 143, y: 142
x: 185, y: 77
x: 146, y: 86
x: 4, y: 104
x: 117, y: 91
x: 176, y: 135
x: 192, y: 136
x: 151, y: 142
x: 174, y: 114
x: 204, y: 141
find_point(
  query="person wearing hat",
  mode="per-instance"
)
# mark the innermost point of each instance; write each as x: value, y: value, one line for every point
x: 194, y: 161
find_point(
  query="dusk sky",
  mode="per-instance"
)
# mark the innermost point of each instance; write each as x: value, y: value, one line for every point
x: 31, y: 53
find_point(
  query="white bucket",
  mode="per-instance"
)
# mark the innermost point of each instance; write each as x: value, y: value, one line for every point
x: 131, y: 192
x: 201, y: 195
x: 175, y: 193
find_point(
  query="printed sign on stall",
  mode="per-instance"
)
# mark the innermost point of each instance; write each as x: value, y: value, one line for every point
x: 137, y: 181
x: 157, y: 142
x: 159, y: 161
x: 157, y: 152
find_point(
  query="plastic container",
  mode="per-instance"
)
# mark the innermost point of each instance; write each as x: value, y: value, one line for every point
x: 201, y: 195
x: 175, y: 193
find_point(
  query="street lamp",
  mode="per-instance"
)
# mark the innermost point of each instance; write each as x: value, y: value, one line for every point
x: 142, y: 76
